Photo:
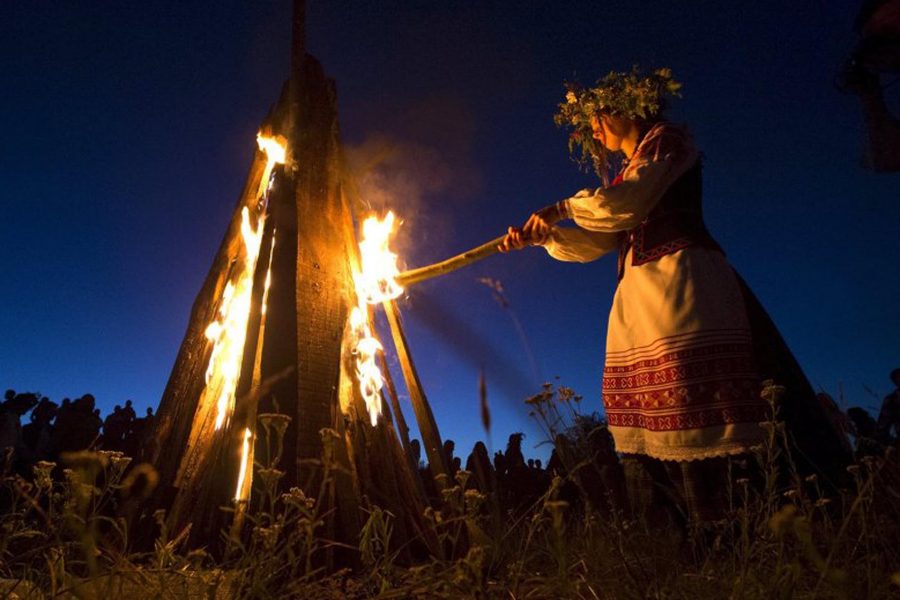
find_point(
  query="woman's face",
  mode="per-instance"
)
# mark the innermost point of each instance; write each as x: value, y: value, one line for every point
x: 608, y: 131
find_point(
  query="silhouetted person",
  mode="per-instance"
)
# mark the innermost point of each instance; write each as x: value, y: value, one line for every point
x: 129, y: 411
x: 415, y: 450
x: 865, y: 429
x: 863, y: 423
x: 11, y: 411
x: 114, y: 428
x: 517, y: 487
x: 93, y: 422
x: 838, y: 420
x: 77, y: 427
x: 514, y: 458
x: 38, y: 432
x: 134, y: 436
x: 499, y: 464
x: 9, y: 424
x: 889, y: 416
x: 479, y: 464
x: 449, y: 447
x: 555, y: 464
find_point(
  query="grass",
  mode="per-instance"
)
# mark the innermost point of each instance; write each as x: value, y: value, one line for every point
x: 65, y: 534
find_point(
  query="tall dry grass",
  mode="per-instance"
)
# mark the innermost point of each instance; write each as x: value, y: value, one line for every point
x: 64, y: 533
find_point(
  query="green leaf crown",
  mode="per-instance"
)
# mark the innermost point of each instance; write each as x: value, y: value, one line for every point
x: 625, y: 94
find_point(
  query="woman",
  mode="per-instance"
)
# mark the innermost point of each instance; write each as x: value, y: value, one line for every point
x: 681, y: 381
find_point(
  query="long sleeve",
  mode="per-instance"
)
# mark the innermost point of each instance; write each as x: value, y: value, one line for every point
x: 662, y: 157
x: 573, y: 244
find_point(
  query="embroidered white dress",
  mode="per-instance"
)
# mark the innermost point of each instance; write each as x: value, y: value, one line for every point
x: 679, y: 381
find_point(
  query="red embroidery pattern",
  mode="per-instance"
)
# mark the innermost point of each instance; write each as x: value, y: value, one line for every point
x: 639, y: 256
x: 690, y: 420
x: 712, y: 382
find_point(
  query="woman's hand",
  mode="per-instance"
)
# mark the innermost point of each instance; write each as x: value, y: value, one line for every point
x: 514, y: 240
x: 539, y: 224
x: 535, y: 232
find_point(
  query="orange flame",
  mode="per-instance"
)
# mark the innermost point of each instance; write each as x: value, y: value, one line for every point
x: 275, y: 149
x: 367, y: 372
x: 229, y: 331
x: 376, y: 283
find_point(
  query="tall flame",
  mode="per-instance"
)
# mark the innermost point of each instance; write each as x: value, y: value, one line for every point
x: 229, y: 331
x: 377, y: 281
x: 374, y: 284
x: 367, y: 372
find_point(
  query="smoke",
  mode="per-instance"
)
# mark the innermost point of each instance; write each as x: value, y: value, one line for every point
x: 419, y: 164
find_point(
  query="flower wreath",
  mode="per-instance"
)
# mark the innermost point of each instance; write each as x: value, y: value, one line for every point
x: 626, y: 94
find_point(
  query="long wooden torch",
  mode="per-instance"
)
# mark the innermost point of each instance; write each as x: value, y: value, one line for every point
x: 468, y: 257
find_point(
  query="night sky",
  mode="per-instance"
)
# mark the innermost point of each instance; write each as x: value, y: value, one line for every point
x: 128, y: 128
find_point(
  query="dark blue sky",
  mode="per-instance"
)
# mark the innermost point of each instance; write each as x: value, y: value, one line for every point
x: 128, y: 128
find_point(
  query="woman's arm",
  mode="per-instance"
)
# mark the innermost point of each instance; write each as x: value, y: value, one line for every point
x: 664, y: 155
x: 572, y: 244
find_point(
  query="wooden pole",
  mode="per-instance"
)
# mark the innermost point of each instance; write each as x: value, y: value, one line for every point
x: 402, y: 427
x: 468, y: 257
x: 431, y: 437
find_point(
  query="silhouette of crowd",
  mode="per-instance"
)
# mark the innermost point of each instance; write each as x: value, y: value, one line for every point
x: 586, y: 453
x: 517, y: 481
x: 73, y: 425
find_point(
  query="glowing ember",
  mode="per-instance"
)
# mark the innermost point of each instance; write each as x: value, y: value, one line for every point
x: 245, y: 459
x: 268, y: 284
x: 376, y: 283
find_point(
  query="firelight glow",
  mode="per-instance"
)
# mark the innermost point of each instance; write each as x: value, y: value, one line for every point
x: 375, y: 284
x: 229, y: 331
x: 275, y: 149
x: 367, y: 372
